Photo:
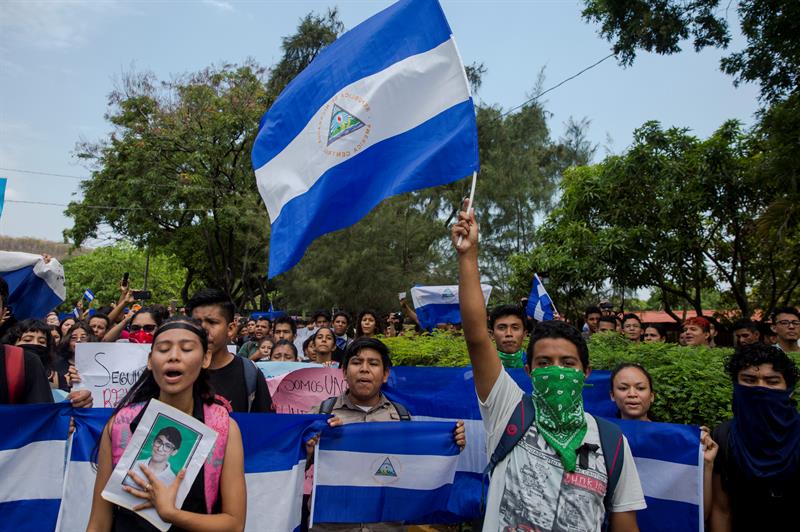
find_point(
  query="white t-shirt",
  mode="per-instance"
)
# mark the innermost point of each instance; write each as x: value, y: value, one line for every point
x: 165, y: 475
x: 529, y: 489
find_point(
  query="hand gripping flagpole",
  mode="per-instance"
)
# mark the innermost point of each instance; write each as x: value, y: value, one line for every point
x: 471, y: 200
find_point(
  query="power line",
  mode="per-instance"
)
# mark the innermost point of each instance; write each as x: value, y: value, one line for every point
x: 129, y: 180
x: 557, y: 85
x: 108, y: 207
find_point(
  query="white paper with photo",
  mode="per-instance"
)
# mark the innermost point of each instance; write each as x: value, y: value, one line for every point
x: 193, y: 452
x: 109, y: 370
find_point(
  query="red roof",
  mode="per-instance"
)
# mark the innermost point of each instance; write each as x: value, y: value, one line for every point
x: 660, y: 316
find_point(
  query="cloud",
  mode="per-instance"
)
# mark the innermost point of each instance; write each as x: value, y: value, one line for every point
x: 50, y: 25
x: 222, y: 5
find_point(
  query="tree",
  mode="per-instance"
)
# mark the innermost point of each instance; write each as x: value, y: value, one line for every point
x: 175, y: 174
x: 102, y: 270
x: 675, y: 213
x: 771, y: 56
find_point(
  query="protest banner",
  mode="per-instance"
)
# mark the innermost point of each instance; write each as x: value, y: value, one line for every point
x: 109, y: 370
x: 296, y: 392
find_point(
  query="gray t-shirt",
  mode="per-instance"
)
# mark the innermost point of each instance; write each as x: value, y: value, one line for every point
x: 529, y: 489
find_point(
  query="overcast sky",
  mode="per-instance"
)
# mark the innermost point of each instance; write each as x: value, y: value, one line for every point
x: 59, y: 59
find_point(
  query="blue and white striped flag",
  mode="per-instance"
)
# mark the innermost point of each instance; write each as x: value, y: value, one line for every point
x: 34, y: 287
x: 385, y: 109
x: 375, y: 472
x: 540, y: 306
x: 439, y: 304
x: 670, y: 466
x: 274, y: 466
x: 88, y: 295
x: 32, y: 452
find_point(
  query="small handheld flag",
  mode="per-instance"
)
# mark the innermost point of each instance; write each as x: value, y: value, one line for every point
x: 88, y: 295
x: 540, y: 306
x: 439, y: 304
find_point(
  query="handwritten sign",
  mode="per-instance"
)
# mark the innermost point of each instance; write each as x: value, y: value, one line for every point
x: 300, y: 390
x: 109, y: 370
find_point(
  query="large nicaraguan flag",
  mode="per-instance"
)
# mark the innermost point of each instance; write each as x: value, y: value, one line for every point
x: 274, y: 466
x: 540, y: 306
x: 35, y: 287
x: 32, y: 452
x: 384, y: 109
x: 375, y: 472
x: 439, y: 304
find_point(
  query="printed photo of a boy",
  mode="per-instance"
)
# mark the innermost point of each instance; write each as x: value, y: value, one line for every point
x: 165, y: 445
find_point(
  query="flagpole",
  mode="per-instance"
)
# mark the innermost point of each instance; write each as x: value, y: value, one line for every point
x: 470, y: 201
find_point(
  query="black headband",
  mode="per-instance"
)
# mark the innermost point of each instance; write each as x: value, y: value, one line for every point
x: 185, y: 325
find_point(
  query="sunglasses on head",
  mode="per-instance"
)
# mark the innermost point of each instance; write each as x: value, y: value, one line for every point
x: 146, y: 328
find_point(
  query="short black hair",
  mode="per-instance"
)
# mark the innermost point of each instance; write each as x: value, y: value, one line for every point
x: 744, y: 324
x: 286, y: 319
x: 343, y: 314
x: 286, y: 342
x: 631, y: 316
x: 559, y: 329
x: 263, y: 318
x: 784, y: 310
x: 506, y: 310
x: 321, y: 313
x: 211, y: 296
x: 359, y: 344
x: 101, y: 316
x: 32, y: 325
x: 593, y: 309
x: 172, y: 434
x: 608, y: 319
x: 756, y: 354
x: 659, y: 327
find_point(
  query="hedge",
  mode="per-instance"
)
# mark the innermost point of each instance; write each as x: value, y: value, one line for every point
x: 690, y: 382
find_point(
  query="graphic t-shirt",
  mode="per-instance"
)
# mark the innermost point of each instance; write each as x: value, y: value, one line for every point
x: 530, y: 490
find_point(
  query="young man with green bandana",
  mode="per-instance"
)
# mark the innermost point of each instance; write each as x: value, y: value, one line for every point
x: 507, y: 329
x: 554, y: 478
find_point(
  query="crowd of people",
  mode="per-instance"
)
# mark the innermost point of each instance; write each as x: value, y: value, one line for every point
x: 552, y: 472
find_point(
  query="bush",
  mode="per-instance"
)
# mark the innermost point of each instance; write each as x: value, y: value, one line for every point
x: 690, y: 382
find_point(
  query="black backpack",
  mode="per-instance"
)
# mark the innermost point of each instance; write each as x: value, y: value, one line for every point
x: 611, y: 443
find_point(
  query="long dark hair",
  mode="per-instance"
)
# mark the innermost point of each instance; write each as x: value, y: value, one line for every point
x: 379, y: 329
x: 146, y: 387
x: 63, y: 347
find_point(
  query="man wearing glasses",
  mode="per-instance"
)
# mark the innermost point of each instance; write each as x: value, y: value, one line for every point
x: 165, y: 445
x: 786, y: 324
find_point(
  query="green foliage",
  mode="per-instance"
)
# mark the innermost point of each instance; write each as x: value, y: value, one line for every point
x: 770, y: 58
x: 442, y: 349
x: 690, y: 382
x: 102, y: 270
x: 675, y: 213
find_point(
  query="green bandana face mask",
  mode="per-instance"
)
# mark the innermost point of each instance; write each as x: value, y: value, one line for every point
x: 557, y: 395
x: 513, y: 360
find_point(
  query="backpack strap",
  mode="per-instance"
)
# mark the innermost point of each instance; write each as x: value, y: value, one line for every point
x: 15, y: 373
x: 217, y: 417
x: 326, y: 406
x: 121, y: 430
x: 521, y: 419
x: 613, y: 446
x: 250, y: 380
x: 402, y: 411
